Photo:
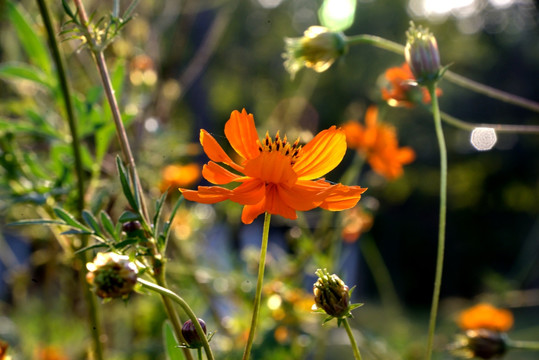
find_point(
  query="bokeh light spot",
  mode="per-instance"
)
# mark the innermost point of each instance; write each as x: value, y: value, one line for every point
x: 483, y: 138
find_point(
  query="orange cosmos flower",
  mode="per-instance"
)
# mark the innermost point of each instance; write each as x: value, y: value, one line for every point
x: 179, y: 175
x: 485, y: 316
x: 401, y: 92
x: 379, y: 144
x: 275, y: 176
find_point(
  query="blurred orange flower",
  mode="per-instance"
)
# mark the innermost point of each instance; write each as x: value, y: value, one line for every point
x: 379, y: 144
x: 50, y: 353
x: 400, y: 90
x: 174, y: 176
x: 275, y: 176
x: 485, y: 316
x: 356, y: 222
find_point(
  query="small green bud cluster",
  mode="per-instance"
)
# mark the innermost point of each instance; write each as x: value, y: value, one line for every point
x: 331, y: 294
x: 421, y: 53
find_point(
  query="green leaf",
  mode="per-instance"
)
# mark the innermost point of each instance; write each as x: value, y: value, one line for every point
x: 22, y: 71
x: 128, y: 216
x: 33, y: 45
x: 37, y: 222
x: 76, y: 232
x: 126, y: 242
x: 70, y: 220
x: 163, y: 240
x: 91, y: 247
x: 90, y: 219
x: 171, y: 345
x: 158, y: 210
x: 107, y: 223
x: 124, y: 180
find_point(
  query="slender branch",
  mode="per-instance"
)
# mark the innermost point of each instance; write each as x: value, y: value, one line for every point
x: 93, y: 312
x: 448, y: 75
x: 523, y: 345
x: 258, y: 295
x: 500, y: 128
x: 180, y: 301
x: 353, y: 343
x: 442, y: 220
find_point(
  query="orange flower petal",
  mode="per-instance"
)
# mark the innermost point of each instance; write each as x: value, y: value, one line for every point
x: 216, y: 174
x: 241, y: 132
x: 214, y: 151
x: 321, y: 155
x: 303, y: 196
x: 274, y: 204
x: 249, y: 193
x: 207, y: 194
x: 342, y: 197
x: 272, y: 167
x: 485, y: 316
x: 251, y: 212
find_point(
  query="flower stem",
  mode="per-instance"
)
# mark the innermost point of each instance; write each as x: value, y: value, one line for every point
x: 199, y: 353
x: 93, y: 312
x: 180, y: 301
x: 258, y: 295
x: 357, y: 355
x: 441, y: 226
x: 500, y: 128
x: 523, y: 345
x: 448, y: 75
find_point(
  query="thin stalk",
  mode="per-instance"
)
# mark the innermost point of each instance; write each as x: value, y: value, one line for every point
x: 523, y: 345
x: 353, y: 343
x: 125, y: 148
x: 258, y: 295
x: 180, y: 301
x: 448, y: 75
x: 199, y: 353
x: 93, y: 312
x: 442, y: 220
x: 500, y: 128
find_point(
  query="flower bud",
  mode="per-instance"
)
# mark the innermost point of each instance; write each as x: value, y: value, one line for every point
x: 131, y: 226
x: 111, y: 275
x: 480, y: 343
x: 190, y: 333
x: 331, y: 294
x: 421, y: 53
x: 317, y: 49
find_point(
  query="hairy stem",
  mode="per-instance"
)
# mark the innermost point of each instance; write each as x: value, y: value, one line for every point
x: 164, y: 292
x: 93, y: 312
x: 353, y: 343
x: 258, y: 295
x: 448, y: 75
x: 442, y: 219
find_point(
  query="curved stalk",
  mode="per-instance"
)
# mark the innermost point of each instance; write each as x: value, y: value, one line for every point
x: 448, y: 75
x: 93, y: 312
x: 258, y: 295
x: 500, y: 128
x: 441, y: 226
x: 180, y: 301
x: 353, y: 343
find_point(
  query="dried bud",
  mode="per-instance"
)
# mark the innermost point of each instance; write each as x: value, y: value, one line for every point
x: 131, y: 226
x: 317, y: 49
x: 190, y: 333
x: 421, y: 53
x: 331, y: 294
x: 112, y: 275
x: 480, y: 343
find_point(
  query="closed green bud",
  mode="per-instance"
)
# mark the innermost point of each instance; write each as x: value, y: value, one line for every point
x: 331, y: 294
x: 190, y: 333
x: 421, y: 54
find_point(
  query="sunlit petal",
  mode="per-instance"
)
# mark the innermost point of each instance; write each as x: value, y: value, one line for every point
x: 342, y: 197
x: 249, y: 193
x: 207, y: 194
x: 241, y: 132
x: 214, y: 151
x: 305, y: 195
x: 321, y: 155
x: 272, y: 167
x: 216, y: 174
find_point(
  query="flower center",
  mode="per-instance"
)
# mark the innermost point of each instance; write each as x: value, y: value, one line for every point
x: 280, y: 145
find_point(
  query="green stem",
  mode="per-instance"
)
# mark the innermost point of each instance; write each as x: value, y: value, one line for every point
x: 258, y: 295
x: 199, y: 353
x: 180, y: 301
x: 500, y: 128
x: 357, y: 355
x: 93, y: 313
x: 448, y: 75
x: 441, y: 225
x: 523, y: 345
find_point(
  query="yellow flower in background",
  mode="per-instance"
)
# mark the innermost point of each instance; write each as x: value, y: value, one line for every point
x: 317, y: 49
x: 274, y: 176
